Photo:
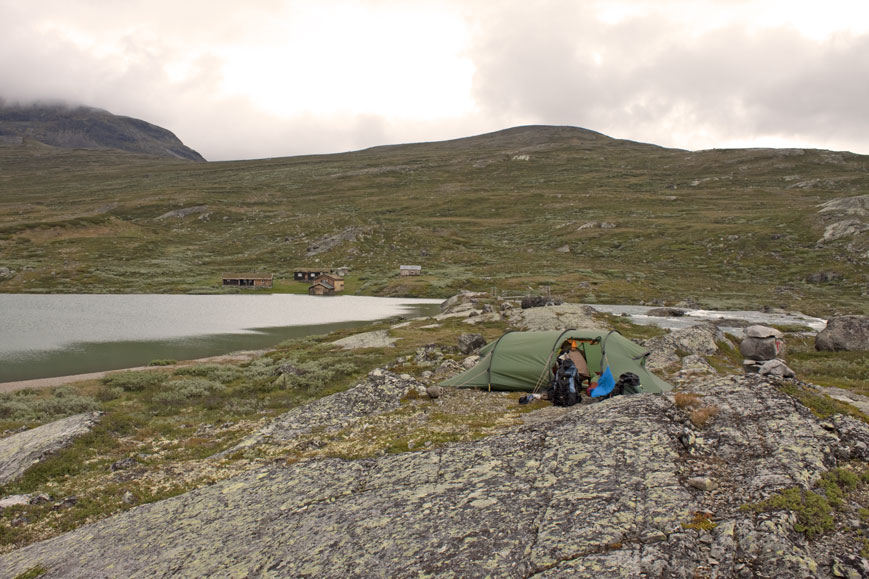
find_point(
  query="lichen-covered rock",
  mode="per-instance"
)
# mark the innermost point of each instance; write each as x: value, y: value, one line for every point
x: 380, y: 392
x: 463, y: 301
x: 604, y: 490
x: 560, y: 317
x: 469, y: 343
x: 21, y: 451
x: 775, y: 368
x: 374, y: 339
x: 849, y: 333
x: 698, y: 340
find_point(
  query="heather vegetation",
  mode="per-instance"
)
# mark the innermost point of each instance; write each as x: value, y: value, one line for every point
x: 593, y: 218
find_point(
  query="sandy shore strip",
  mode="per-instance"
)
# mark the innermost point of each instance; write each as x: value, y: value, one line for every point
x: 61, y: 380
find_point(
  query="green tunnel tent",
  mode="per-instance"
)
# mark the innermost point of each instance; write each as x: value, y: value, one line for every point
x: 524, y: 361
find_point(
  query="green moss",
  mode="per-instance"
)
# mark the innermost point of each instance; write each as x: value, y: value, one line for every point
x: 815, y: 511
x: 812, y: 510
x: 819, y: 403
x: 32, y: 573
x: 849, y: 370
x: 700, y: 522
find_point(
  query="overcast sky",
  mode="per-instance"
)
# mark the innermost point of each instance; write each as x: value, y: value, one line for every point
x: 268, y: 78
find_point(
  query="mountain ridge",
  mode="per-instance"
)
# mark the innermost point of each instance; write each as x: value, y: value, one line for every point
x: 81, y: 127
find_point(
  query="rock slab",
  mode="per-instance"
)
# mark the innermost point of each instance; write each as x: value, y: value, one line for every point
x: 606, y: 490
x: 21, y: 451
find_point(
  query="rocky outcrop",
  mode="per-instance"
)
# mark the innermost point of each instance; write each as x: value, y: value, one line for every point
x: 850, y: 333
x: 847, y: 218
x: 380, y: 392
x: 374, y: 339
x: 560, y: 317
x: 182, y: 213
x: 666, y: 312
x: 612, y: 489
x: 23, y: 450
x: 667, y: 350
x: 470, y: 343
x: 329, y: 242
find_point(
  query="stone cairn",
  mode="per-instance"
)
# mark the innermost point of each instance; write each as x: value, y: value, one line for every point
x: 761, y: 349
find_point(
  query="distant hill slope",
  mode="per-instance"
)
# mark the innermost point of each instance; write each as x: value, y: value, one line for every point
x: 558, y: 209
x: 90, y: 128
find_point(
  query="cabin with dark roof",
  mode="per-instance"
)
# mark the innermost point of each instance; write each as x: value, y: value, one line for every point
x: 326, y: 284
x: 308, y: 274
x: 249, y: 280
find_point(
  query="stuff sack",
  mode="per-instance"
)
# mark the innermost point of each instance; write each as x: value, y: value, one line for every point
x: 563, y: 390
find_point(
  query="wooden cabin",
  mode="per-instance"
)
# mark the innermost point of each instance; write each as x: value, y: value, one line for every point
x: 249, y: 280
x: 326, y: 284
x: 308, y: 274
x: 406, y: 270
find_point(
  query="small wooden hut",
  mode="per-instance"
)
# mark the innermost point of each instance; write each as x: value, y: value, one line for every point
x: 249, y: 280
x: 326, y: 284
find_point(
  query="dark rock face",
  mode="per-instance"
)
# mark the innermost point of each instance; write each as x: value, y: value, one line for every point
x: 469, y: 343
x: 666, y: 312
x: 90, y: 128
x: 849, y: 333
x: 606, y: 490
x: 539, y: 302
x: 823, y: 277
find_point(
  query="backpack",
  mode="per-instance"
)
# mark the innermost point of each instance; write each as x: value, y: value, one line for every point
x: 563, y: 390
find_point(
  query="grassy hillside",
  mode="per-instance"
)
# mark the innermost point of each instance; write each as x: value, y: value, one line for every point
x: 594, y: 218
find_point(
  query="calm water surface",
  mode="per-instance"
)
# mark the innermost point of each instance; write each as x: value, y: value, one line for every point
x: 56, y: 335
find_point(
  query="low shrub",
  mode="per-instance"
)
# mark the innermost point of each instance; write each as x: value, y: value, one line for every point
x: 223, y: 373
x: 701, y: 416
x: 32, y: 408
x: 109, y: 393
x: 167, y: 362
x: 187, y: 389
x: 135, y: 381
x: 685, y: 400
x: 315, y: 376
x: 699, y: 413
x: 242, y: 406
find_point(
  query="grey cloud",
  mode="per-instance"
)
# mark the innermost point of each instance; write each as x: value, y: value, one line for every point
x: 539, y: 65
x: 658, y: 81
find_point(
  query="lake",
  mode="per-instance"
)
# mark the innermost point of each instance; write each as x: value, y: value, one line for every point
x: 56, y: 335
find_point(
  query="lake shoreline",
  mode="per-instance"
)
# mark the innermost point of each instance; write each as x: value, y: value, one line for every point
x: 55, y: 381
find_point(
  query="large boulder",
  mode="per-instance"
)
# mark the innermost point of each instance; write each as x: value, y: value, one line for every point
x: 463, y: 301
x: 850, y: 333
x: 761, y: 343
x: 469, y: 343
x: 667, y: 350
x: 666, y: 312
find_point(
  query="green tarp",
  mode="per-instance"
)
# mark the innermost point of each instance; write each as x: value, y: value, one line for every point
x: 523, y: 361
